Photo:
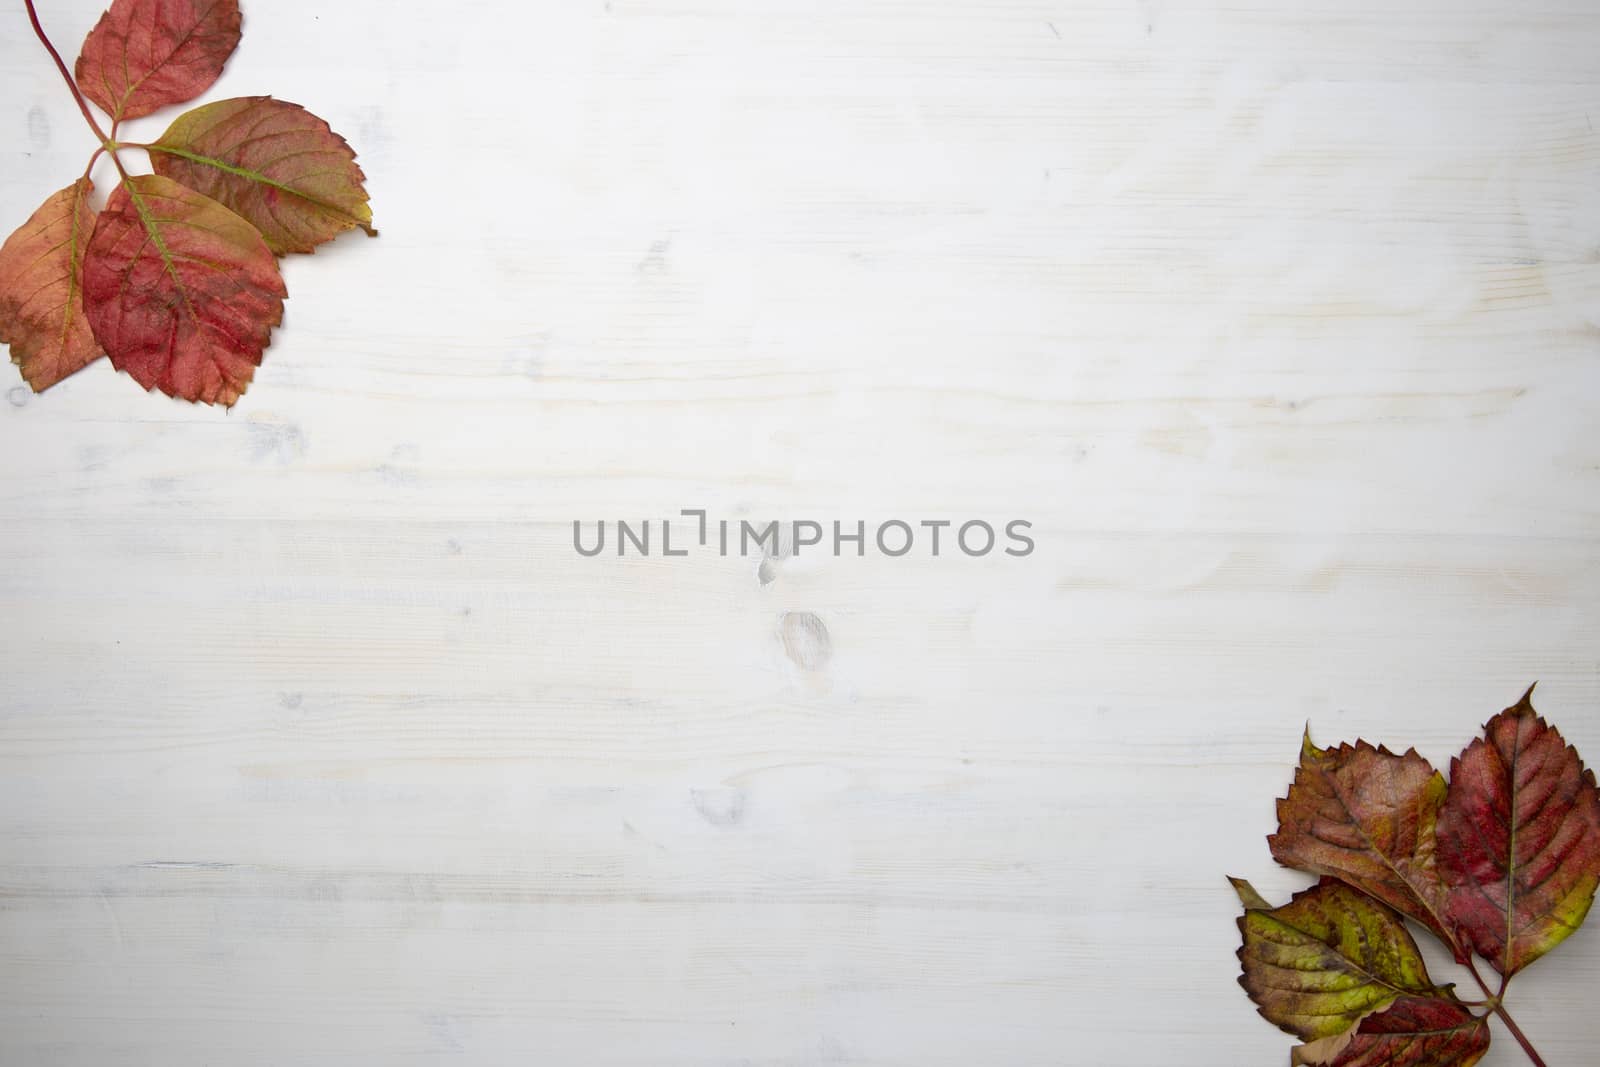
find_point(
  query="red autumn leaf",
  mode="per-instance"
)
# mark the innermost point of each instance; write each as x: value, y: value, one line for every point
x: 1519, y: 839
x: 146, y: 54
x: 275, y: 163
x: 1412, y: 1032
x: 1366, y: 815
x: 182, y: 293
x: 41, y: 289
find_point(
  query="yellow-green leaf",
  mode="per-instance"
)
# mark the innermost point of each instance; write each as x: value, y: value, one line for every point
x: 1326, y: 960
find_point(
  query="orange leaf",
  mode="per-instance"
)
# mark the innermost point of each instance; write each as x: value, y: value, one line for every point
x: 41, y: 289
x: 182, y: 293
x: 1367, y: 816
x: 146, y: 54
x: 273, y: 162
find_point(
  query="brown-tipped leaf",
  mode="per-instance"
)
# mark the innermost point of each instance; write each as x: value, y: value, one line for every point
x: 275, y: 163
x: 182, y: 293
x: 1412, y: 1032
x: 1519, y: 839
x: 1367, y: 816
x: 1326, y: 960
x: 146, y: 54
x: 41, y: 289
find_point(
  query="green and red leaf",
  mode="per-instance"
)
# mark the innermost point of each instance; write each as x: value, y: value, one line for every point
x: 1411, y: 1032
x: 274, y: 163
x: 41, y: 289
x: 1367, y: 816
x: 1519, y: 839
x: 1326, y: 960
x: 144, y: 55
x: 182, y: 293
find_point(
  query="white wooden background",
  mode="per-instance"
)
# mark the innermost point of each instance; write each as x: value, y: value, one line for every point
x: 1280, y: 320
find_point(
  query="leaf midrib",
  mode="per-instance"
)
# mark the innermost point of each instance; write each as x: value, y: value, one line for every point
x: 1355, y: 821
x: 1511, y: 851
x: 1350, y: 966
x: 151, y: 228
x: 135, y: 86
x: 74, y: 257
x: 255, y: 176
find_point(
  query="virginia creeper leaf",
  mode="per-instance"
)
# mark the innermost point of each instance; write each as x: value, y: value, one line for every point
x: 1519, y: 839
x: 177, y: 279
x: 275, y: 163
x: 1367, y: 816
x: 1326, y: 960
x: 182, y: 293
x: 146, y: 54
x: 1412, y: 1032
x: 41, y: 289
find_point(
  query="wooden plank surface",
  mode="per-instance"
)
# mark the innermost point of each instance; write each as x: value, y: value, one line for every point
x: 1280, y: 322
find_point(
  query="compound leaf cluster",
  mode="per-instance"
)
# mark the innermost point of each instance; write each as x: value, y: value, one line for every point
x: 176, y: 280
x: 1500, y: 863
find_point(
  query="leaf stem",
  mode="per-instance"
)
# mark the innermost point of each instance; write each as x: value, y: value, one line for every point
x: 1497, y: 1005
x: 83, y: 105
x: 1472, y: 968
x: 1516, y: 1032
x: 108, y: 144
x: 88, y: 171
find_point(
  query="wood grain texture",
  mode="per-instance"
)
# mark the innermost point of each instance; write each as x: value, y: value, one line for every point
x: 1281, y: 322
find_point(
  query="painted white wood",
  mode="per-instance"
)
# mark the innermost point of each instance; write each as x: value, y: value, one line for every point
x: 320, y: 745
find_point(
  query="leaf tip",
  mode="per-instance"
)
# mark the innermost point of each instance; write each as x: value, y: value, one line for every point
x: 1309, y: 752
x: 1252, y: 900
x: 1523, y: 708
